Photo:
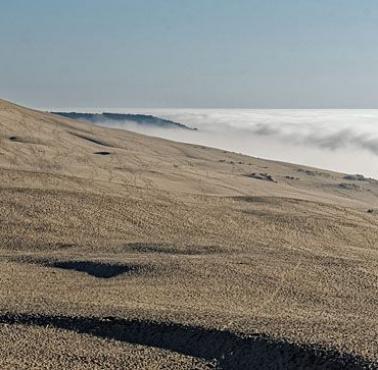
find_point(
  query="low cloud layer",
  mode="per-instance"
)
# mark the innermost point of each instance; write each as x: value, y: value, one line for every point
x: 342, y: 140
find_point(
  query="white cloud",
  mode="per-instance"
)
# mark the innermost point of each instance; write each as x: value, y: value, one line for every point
x: 341, y: 140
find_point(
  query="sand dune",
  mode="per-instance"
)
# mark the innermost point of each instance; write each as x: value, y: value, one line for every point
x: 113, y: 242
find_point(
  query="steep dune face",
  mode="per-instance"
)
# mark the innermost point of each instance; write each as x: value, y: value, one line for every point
x: 213, y: 240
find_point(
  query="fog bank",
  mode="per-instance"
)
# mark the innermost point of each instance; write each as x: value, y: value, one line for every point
x: 340, y: 140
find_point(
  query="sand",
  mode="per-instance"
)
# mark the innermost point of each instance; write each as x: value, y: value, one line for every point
x: 119, y: 250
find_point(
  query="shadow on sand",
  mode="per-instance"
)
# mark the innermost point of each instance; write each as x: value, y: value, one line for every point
x: 229, y: 350
x: 97, y: 269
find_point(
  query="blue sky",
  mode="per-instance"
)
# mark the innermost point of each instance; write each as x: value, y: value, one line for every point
x: 197, y: 53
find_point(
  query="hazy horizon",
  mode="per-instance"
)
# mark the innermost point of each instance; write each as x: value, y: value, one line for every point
x: 344, y: 140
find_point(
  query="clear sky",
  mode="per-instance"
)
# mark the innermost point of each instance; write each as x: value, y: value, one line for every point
x: 190, y: 53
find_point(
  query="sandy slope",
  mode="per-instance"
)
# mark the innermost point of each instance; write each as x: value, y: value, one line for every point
x: 258, y: 261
